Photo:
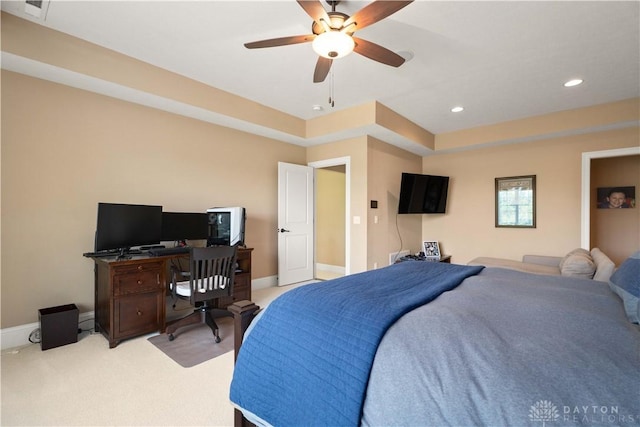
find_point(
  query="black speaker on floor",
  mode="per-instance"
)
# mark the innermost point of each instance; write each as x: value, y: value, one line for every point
x: 58, y: 326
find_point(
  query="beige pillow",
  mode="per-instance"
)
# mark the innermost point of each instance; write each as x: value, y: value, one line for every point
x: 577, y: 251
x: 578, y: 265
x: 604, y: 265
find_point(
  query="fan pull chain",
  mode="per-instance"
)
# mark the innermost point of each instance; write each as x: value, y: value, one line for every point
x: 332, y: 98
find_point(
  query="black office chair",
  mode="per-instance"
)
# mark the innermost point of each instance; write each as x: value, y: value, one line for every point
x: 211, y: 275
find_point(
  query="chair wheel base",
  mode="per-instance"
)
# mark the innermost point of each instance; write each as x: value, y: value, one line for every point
x: 171, y: 337
x: 218, y: 340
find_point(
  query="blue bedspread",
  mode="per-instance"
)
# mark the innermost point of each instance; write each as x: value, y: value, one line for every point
x: 307, y: 361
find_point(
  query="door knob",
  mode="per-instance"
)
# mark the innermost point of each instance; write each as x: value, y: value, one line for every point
x: 282, y: 230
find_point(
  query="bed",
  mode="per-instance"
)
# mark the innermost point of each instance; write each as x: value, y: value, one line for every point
x: 434, y: 344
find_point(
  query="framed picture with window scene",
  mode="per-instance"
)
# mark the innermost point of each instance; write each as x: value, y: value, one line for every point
x: 431, y: 249
x: 516, y: 201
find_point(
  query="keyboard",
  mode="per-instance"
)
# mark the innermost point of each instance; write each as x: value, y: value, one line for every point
x: 169, y: 251
x: 106, y: 254
x: 100, y: 254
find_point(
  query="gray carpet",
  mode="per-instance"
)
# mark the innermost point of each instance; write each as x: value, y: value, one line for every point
x: 195, y: 344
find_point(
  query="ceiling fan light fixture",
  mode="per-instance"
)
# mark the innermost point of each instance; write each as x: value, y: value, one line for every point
x: 333, y: 44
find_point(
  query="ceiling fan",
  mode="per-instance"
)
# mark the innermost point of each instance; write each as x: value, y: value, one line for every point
x: 332, y: 34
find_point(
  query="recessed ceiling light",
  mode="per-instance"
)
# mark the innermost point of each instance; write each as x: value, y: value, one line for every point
x: 317, y: 107
x: 574, y: 82
x: 406, y: 54
x: 457, y: 109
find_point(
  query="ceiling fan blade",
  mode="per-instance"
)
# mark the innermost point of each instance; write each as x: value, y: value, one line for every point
x: 281, y: 41
x: 377, y: 53
x: 375, y: 12
x: 322, y: 69
x: 315, y: 10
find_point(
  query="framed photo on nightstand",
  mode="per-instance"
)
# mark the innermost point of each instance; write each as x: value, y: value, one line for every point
x: 431, y: 249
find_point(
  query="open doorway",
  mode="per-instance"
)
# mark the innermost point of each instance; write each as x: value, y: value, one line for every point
x: 332, y: 241
x: 330, y: 222
x: 589, y: 222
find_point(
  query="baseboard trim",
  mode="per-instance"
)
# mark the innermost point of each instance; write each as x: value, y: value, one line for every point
x: 331, y: 268
x: 18, y: 336
x: 264, y: 282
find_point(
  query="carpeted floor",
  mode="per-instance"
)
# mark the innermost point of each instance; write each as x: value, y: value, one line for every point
x: 133, y: 384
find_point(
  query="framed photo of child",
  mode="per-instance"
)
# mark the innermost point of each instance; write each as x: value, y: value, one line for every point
x: 616, y: 197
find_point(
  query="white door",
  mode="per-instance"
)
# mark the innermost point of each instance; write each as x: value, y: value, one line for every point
x: 295, y: 223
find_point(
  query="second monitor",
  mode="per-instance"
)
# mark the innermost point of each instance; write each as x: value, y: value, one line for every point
x: 180, y: 226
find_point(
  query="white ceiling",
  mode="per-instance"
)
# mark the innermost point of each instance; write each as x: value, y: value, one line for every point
x: 500, y: 60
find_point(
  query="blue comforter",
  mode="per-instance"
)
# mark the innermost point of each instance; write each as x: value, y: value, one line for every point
x: 307, y: 361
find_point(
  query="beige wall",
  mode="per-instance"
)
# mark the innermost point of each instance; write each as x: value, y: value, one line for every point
x: 615, y: 231
x: 468, y: 229
x: 579, y: 120
x: 392, y: 232
x: 375, y: 169
x: 36, y: 42
x: 330, y: 216
x: 64, y: 150
x: 356, y: 150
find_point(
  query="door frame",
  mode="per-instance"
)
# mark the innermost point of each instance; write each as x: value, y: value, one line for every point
x: 346, y: 162
x: 585, y: 222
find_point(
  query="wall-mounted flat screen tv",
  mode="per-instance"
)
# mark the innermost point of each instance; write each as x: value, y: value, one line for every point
x: 423, y: 194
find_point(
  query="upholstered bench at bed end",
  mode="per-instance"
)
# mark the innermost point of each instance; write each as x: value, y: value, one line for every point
x: 516, y: 265
x: 579, y: 262
x: 243, y: 313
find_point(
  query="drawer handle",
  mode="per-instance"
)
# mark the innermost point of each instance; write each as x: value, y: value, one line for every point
x: 139, y: 312
x: 140, y: 267
x: 139, y: 282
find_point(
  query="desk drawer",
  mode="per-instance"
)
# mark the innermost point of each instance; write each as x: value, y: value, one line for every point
x: 138, y: 315
x: 242, y: 287
x: 138, y: 267
x: 136, y: 283
x: 242, y: 282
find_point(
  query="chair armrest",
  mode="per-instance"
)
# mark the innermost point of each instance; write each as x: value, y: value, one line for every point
x: 176, y: 274
x: 551, y: 261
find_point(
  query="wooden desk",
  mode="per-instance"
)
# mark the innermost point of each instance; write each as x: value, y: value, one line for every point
x: 130, y: 294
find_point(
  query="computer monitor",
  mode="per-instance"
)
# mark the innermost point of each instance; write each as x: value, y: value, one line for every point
x: 180, y: 226
x: 121, y: 226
